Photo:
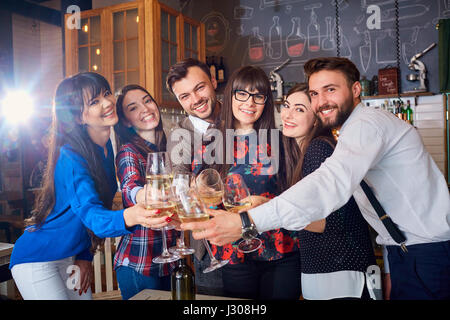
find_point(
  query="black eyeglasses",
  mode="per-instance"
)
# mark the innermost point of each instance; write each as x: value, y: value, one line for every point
x: 242, y: 95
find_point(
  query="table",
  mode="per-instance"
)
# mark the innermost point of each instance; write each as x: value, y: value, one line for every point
x: 5, y: 273
x: 150, y: 294
x: 5, y: 255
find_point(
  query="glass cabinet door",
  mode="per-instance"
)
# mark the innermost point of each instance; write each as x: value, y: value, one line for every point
x: 169, y: 46
x: 191, y: 43
x: 89, y: 45
x: 126, y: 48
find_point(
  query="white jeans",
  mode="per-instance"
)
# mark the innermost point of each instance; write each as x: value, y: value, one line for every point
x: 47, y: 281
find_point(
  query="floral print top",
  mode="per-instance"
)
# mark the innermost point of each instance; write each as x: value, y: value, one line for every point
x: 252, y: 162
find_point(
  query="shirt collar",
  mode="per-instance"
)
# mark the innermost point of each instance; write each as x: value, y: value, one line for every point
x: 355, y: 111
x: 199, y: 124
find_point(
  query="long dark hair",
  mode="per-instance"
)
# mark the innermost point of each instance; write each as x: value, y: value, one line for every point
x: 295, y: 154
x: 254, y: 79
x: 126, y: 135
x: 66, y: 129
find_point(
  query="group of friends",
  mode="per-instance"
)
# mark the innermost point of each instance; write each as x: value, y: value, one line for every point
x: 309, y: 211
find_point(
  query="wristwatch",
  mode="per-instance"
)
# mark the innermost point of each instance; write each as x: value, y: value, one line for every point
x: 248, y: 229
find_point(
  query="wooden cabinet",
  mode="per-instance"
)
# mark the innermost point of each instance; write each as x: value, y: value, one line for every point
x: 134, y: 43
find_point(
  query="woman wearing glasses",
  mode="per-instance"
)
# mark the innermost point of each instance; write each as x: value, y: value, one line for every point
x: 272, y: 271
x: 139, y: 131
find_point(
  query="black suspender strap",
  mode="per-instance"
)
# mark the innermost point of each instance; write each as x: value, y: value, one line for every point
x: 390, y: 226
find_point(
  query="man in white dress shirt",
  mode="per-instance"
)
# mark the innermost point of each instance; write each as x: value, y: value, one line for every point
x: 389, y: 155
x: 191, y: 83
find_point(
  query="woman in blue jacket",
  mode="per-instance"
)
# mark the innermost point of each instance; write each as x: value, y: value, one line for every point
x: 72, y: 212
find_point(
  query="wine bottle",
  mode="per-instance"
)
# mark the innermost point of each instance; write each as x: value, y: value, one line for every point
x: 409, y: 112
x: 221, y: 71
x: 182, y: 282
x: 213, y: 68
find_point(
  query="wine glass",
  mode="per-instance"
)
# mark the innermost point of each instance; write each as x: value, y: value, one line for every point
x: 210, y: 187
x: 182, y: 182
x: 193, y: 210
x: 159, y: 195
x: 236, y: 199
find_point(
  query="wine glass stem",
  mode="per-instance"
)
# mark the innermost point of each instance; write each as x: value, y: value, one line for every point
x: 208, y: 248
x: 164, y: 240
x: 181, y: 242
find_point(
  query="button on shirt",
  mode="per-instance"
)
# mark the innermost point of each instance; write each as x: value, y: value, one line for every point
x: 389, y: 154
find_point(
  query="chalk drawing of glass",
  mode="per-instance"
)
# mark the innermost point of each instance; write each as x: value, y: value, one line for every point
x: 295, y: 41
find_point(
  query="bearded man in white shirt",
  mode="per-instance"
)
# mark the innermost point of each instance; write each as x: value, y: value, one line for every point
x: 389, y: 155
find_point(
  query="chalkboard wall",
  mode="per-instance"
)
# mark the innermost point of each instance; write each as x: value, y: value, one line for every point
x: 267, y: 32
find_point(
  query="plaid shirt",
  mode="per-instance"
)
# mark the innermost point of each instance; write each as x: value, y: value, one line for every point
x: 137, y: 250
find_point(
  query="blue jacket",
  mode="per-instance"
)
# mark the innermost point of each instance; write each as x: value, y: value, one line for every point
x: 77, y: 207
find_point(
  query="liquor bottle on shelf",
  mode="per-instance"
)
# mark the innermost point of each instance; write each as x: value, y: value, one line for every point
x: 295, y: 41
x: 213, y: 68
x: 365, y: 87
x: 409, y: 113
x: 374, y: 91
x: 398, y: 109
x: 221, y: 71
x: 182, y: 281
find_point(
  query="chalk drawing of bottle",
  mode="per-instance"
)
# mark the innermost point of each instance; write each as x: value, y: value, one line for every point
x: 313, y: 29
x: 295, y: 41
x: 256, y: 46
x: 274, y: 49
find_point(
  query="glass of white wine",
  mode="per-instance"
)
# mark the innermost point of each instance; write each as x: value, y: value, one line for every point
x: 159, y: 195
x: 236, y: 198
x: 210, y: 187
x: 182, y: 182
x: 193, y: 210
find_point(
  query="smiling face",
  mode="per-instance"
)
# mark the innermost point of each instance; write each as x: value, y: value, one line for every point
x: 297, y: 116
x: 196, y: 93
x: 332, y: 98
x: 99, y: 112
x: 140, y: 111
x: 246, y: 113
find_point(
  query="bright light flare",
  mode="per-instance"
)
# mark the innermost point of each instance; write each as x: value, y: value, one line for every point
x: 17, y: 107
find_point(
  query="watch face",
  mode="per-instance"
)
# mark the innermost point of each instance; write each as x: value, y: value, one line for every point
x: 249, y: 233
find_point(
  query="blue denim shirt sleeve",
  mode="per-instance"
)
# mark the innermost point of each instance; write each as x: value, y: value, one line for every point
x: 85, y: 255
x: 85, y: 201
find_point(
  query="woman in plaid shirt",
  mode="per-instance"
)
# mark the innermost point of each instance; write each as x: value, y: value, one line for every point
x: 139, y: 131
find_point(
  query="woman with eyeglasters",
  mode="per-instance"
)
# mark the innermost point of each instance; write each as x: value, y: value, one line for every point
x: 272, y: 271
x: 73, y: 209
x: 139, y: 131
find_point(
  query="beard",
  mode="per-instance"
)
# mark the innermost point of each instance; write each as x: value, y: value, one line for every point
x: 342, y: 114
